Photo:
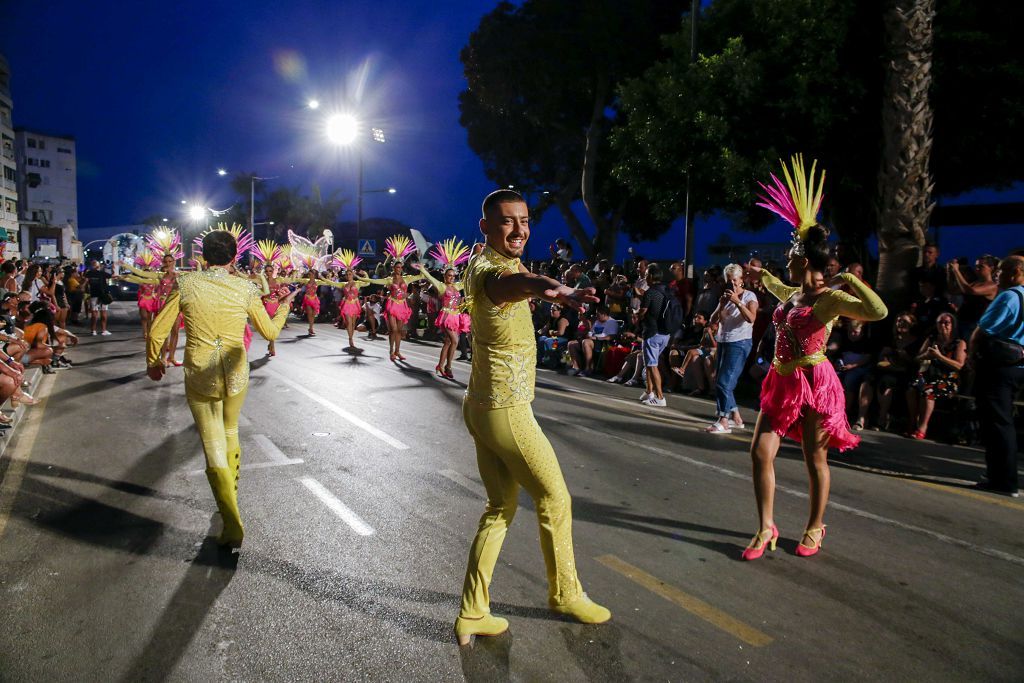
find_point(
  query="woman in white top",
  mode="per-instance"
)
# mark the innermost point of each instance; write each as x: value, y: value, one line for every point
x: 735, y: 315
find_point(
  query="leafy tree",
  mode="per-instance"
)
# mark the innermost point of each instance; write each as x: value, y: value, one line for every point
x: 775, y: 77
x: 541, y: 101
x: 287, y: 207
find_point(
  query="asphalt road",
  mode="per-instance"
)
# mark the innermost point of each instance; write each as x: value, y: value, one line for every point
x: 360, y: 497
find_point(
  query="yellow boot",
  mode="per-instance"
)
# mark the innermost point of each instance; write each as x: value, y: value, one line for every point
x: 485, y: 626
x: 225, y: 492
x: 584, y: 610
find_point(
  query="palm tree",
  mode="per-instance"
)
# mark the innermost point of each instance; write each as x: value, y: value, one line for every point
x: 904, y: 180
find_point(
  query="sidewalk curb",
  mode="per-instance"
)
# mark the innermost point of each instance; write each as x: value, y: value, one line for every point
x: 33, y: 375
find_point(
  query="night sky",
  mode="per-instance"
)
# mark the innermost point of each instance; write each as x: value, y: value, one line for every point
x: 160, y: 95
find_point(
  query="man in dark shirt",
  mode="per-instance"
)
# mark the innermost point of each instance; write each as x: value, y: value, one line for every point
x: 655, y: 336
x: 930, y: 270
x: 99, y: 295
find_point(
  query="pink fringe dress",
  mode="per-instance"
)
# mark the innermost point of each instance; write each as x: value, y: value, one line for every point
x: 449, y: 318
x: 350, y: 303
x: 801, y: 378
x: 396, y: 305
x: 310, y: 299
x: 148, y: 299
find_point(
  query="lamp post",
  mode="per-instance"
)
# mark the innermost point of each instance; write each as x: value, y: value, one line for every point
x: 344, y: 130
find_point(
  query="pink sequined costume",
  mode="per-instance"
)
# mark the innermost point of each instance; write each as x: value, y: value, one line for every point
x: 350, y: 305
x: 800, y: 377
x: 310, y: 298
x: 148, y: 300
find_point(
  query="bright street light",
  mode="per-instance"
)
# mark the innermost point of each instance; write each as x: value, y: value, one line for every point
x: 392, y: 190
x: 221, y: 172
x: 165, y: 220
x: 197, y: 213
x: 313, y: 104
x: 342, y: 129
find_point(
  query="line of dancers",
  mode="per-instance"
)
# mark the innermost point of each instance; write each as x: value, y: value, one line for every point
x: 801, y: 397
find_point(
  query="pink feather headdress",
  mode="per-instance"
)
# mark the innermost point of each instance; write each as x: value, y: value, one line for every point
x: 242, y: 237
x: 164, y: 241
x: 797, y: 200
x: 399, y: 247
x: 452, y: 252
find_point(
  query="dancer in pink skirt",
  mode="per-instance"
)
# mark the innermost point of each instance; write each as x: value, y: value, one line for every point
x: 801, y: 397
x: 396, y: 308
x: 350, y: 308
x: 450, y: 320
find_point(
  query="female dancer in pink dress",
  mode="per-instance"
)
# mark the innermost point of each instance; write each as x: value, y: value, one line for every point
x: 273, y: 288
x: 396, y: 308
x: 167, y: 245
x: 310, y: 300
x: 350, y: 308
x: 801, y: 396
x: 450, y: 320
x: 149, y: 303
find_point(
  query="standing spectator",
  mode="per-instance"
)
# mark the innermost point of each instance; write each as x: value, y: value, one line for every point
x: 561, y: 250
x: 928, y: 306
x: 60, y: 296
x: 977, y: 294
x: 640, y: 284
x: 656, y: 333
x: 616, y: 295
x: 832, y: 268
x: 99, y: 297
x: 942, y: 356
x: 681, y: 288
x: 996, y: 350
x: 8, y: 276
x: 707, y: 298
x: 576, y: 278
x: 735, y: 315
x: 929, y: 269
x: 74, y: 285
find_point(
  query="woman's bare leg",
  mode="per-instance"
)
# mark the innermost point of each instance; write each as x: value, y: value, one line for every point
x: 815, y: 448
x: 763, y: 449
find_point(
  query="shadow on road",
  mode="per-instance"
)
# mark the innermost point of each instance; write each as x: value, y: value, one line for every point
x: 487, y: 659
x: 206, y: 578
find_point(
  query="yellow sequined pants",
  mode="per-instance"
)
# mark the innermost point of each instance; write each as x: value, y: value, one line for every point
x: 217, y: 422
x: 512, y: 451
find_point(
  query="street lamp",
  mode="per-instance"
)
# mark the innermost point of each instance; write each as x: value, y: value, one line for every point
x: 313, y: 104
x: 222, y: 172
x: 343, y: 130
x: 252, y: 196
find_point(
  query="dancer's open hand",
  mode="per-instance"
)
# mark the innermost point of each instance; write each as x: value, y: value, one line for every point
x: 155, y: 372
x: 573, y: 298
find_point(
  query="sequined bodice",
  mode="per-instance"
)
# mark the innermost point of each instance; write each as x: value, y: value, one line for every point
x: 397, y: 291
x: 351, y: 292
x: 147, y: 291
x: 450, y: 299
x: 800, y: 333
x: 166, y: 286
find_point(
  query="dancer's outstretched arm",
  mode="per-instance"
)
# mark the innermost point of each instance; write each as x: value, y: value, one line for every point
x: 780, y: 291
x: 144, y: 274
x: 509, y: 287
x: 138, y: 280
x: 162, y: 325
x: 438, y: 285
x: 863, y: 305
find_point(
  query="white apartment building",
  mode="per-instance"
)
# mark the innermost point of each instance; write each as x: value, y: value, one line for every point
x: 8, y: 168
x: 47, y: 193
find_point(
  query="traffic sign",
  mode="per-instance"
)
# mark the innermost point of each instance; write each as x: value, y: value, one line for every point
x: 367, y: 247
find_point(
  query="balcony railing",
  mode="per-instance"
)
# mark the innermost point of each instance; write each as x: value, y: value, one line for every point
x: 10, y: 185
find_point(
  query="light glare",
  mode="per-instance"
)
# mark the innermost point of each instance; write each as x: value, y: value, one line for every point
x: 313, y: 104
x: 221, y: 171
x: 342, y: 129
x: 197, y: 213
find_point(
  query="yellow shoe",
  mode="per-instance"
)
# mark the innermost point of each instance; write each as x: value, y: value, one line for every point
x: 225, y: 492
x: 487, y: 625
x: 584, y: 610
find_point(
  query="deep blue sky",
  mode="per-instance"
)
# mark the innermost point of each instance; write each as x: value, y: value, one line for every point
x: 160, y: 95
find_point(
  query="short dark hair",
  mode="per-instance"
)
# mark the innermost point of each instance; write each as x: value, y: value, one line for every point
x: 499, y: 197
x: 8, y: 267
x: 653, y: 274
x: 219, y: 247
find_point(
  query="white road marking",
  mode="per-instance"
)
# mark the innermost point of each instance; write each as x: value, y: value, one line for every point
x: 744, y: 476
x: 277, y: 458
x: 270, y: 449
x: 462, y: 481
x: 342, y: 413
x: 337, y: 507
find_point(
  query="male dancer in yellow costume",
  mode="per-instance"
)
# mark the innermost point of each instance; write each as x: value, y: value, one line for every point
x: 511, y: 449
x: 215, y: 304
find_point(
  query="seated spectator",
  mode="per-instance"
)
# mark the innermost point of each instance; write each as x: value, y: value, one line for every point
x: 696, y: 367
x: 977, y: 293
x: 896, y: 366
x: 371, y: 315
x: 603, y: 329
x: 37, y: 337
x: 928, y: 306
x: 552, y: 336
x: 942, y: 357
x: 11, y: 336
x: 853, y: 359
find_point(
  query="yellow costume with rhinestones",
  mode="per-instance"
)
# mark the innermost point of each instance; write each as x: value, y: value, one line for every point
x: 216, y: 305
x: 511, y: 449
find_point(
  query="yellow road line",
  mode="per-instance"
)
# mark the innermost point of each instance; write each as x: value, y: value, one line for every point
x: 26, y: 437
x: 968, y: 493
x: 696, y: 606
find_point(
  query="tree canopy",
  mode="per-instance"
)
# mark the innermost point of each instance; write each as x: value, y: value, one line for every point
x: 776, y: 77
x: 541, y: 99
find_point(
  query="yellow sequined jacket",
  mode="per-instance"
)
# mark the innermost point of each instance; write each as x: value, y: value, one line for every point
x: 215, y: 305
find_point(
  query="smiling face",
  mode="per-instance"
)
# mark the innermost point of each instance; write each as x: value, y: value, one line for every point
x: 168, y: 263
x: 507, y: 228
x: 449, y: 276
x: 396, y: 269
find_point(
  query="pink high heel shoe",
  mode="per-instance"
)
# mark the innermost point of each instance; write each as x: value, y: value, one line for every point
x: 808, y: 550
x: 765, y: 538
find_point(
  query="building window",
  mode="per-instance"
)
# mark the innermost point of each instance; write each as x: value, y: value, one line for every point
x: 42, y: 144
x: 9, y: 173
x: 64, y: 150
x: 45, y: 163
x: 29, y: 161
x: 11, y: 206
x: 32, y: 143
